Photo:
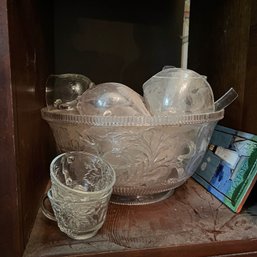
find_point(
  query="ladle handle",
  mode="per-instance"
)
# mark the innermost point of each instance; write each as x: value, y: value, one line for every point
x: 226, y: 99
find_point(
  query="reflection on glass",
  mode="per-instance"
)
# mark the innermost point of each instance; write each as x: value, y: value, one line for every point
x: 62, y: 90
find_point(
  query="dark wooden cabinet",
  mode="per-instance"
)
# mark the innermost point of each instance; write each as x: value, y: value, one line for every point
x: 25, y: 141
x: 38, y: 38
x: 223, y: 47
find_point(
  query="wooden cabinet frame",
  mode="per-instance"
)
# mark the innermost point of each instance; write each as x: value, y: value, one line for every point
x: 222, y: 46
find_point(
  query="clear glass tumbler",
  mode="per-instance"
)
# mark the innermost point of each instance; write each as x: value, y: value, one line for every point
x: 81, y: 188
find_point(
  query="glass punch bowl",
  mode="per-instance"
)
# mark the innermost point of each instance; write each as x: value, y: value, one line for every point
x: 151, y: 155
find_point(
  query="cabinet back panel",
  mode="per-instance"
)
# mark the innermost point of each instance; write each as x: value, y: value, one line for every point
x: 117, y: 41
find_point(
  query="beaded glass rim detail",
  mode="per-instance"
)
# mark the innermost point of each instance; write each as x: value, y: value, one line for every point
x: 94, y: 120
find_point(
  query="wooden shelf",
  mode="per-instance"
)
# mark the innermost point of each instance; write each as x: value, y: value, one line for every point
x: 190, y: 223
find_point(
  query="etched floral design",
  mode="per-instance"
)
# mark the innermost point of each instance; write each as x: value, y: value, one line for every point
x: 76, y: 217
x: 145, y: 158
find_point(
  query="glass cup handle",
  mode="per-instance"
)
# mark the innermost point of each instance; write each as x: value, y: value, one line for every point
x: 191, y: 147
x: 44, y: 210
